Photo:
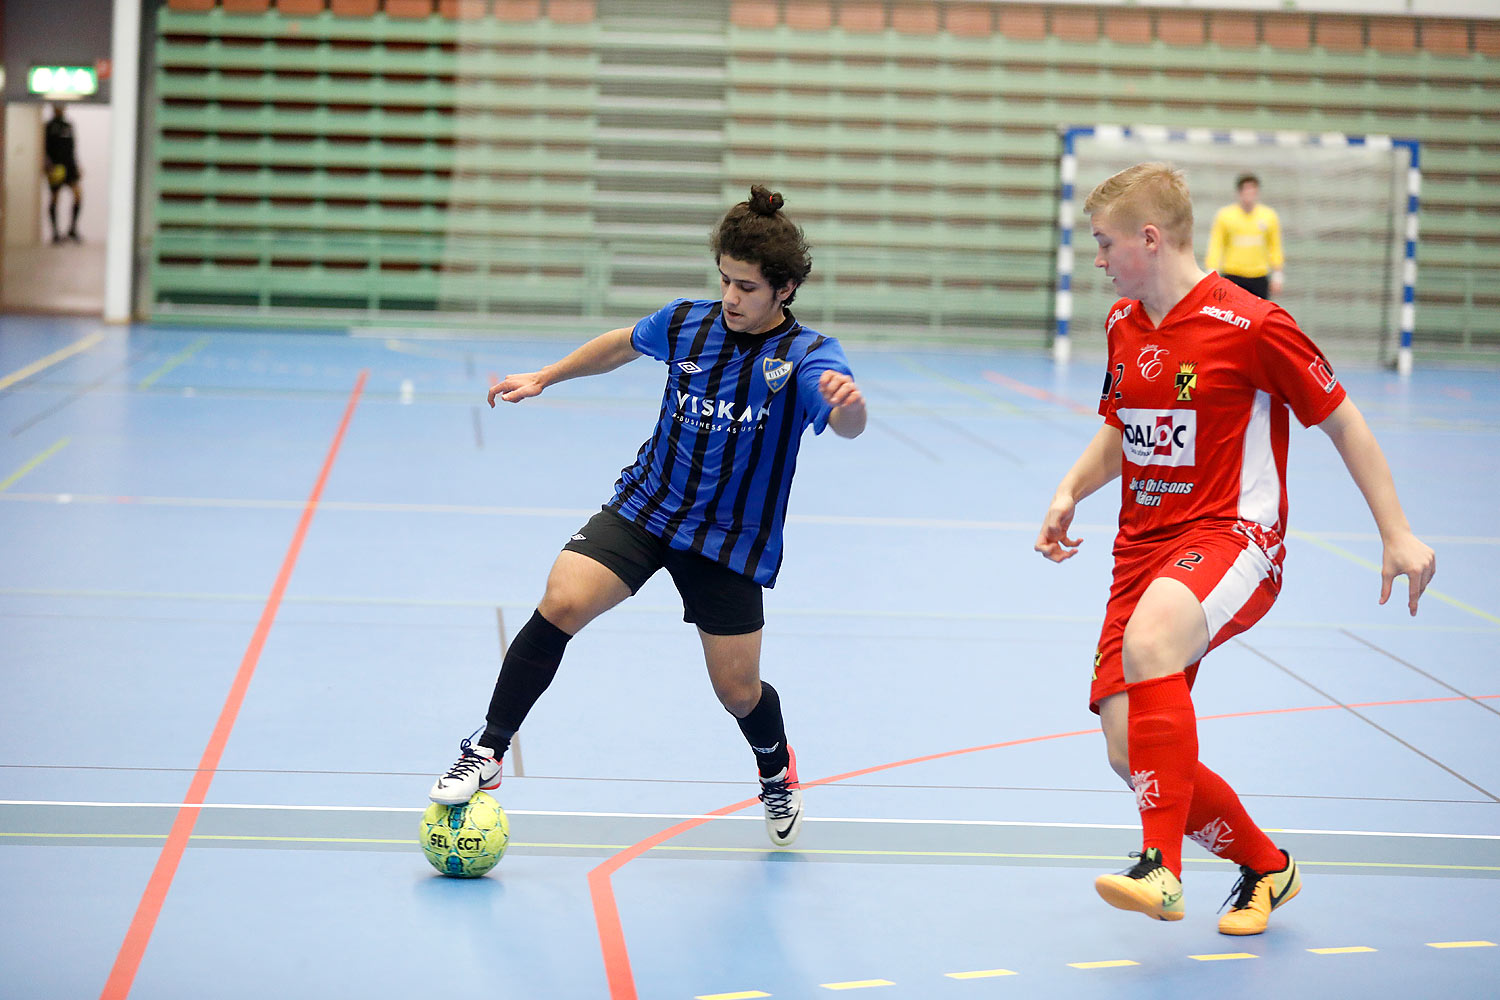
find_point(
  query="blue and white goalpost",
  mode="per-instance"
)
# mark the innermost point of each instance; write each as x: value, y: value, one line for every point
x: 1348, y: 210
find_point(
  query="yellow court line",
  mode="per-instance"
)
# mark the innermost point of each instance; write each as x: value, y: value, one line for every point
x: 174, y: 361
x: 981, y: 974
x: 858, y: 984
x: 1226, y: 957
x: 1114, y: 964
x: 32, y: 463
x: 746, y: 995
x: 40, y: 364
x: 1355, y: 950
x: 1460, y: 944
x: 1397, y: 589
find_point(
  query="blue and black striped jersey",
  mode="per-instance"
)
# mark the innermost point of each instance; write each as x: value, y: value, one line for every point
x: 715, y: 476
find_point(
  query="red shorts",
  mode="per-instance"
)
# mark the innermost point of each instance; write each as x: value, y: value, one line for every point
x: 1230, y: 574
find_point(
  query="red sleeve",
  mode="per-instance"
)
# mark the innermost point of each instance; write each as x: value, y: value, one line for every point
x: 1110, y: 394
x: 1107, y: 400
x: 1291, y: 368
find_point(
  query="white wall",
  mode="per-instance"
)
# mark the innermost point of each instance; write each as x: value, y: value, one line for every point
x: 23, y: 174
x: 91, y: 149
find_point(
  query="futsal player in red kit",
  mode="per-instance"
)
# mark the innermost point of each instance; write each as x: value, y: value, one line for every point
x: 1200, y: 378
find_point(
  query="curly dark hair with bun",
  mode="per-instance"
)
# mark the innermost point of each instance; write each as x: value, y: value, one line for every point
x: 757, y: 232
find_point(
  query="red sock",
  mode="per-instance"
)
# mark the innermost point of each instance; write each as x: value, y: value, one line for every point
x: 1163, y: 744
x: 1218, y: 821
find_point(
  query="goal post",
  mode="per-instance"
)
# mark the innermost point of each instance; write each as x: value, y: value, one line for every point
x: 1348, y: 211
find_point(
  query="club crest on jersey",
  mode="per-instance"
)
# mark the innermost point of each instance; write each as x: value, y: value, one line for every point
x: 1187, y: 381
x: 776, y: 371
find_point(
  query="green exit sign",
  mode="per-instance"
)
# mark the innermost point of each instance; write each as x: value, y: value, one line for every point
x: 62, y: 81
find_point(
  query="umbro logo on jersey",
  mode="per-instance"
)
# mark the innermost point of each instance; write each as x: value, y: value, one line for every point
x: 579, y: 538
x: 689, y: 367
x: 776, y: 371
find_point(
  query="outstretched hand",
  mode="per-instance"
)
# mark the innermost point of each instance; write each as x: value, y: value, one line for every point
x: 1053, y: 541
x: 514, y: 388
x: 1407, y: 555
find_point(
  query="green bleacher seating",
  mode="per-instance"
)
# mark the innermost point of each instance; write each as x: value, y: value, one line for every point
x: 428, y: 162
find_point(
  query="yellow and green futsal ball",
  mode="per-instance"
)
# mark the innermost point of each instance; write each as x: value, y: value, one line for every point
x: 465, y: 841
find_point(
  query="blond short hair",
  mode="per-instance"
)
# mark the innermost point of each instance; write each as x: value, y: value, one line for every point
x: 1147, y: 193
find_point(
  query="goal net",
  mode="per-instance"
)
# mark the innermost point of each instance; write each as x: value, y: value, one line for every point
x: 1347, y: 206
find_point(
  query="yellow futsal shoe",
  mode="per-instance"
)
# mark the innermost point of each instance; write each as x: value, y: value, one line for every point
x: 1256, y: 894
x: 1148, y: 887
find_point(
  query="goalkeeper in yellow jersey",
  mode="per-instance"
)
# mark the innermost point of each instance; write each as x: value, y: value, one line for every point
x: 1245, y: 245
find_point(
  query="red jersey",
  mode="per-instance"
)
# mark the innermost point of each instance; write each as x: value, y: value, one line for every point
x: 1202, y: 403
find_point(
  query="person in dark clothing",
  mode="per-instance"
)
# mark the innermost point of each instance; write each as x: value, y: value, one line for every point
x: 62, y: 171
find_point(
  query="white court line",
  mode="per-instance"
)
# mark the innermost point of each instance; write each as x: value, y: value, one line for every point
x: 849, y: 520
x: 634, y: 609
x: 705, y: 816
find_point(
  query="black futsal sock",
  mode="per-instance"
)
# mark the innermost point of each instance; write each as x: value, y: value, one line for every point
x: 530, y: 664
x: 766, y: 733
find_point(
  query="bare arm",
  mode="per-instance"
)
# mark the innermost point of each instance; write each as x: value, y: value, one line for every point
x: 1403, y: 553
x: 604, y: 353
x: 848, y: 416
x: 1099, y: 464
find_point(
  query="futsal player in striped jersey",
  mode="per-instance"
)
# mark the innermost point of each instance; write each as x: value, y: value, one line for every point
x: 705, y: 498
x: 1201, y: 375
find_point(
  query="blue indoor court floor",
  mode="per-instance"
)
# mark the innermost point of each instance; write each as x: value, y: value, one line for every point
x: 255, y: 586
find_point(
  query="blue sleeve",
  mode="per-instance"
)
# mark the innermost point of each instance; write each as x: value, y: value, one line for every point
x: 650, y: 334
x: 827, y: 356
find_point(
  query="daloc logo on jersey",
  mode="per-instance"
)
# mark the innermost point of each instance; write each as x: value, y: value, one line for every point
x: 1159, y: 437
x: 776, y: 372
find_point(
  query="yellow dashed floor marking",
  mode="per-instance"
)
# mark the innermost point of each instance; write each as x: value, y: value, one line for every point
x: 1114, y: 964
x: 1460, y: 944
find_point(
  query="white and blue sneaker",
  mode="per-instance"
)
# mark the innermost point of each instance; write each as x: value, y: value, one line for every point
x: 781, y: 794
x: 477, y: 768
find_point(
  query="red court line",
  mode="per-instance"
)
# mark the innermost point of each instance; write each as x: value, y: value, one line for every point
x: 1036, y: 393
x: 607, y: 913
x: 128, y: 961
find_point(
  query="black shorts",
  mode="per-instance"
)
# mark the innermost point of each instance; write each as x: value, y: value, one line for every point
x: 715, y: 598
x: 1255, y: 286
